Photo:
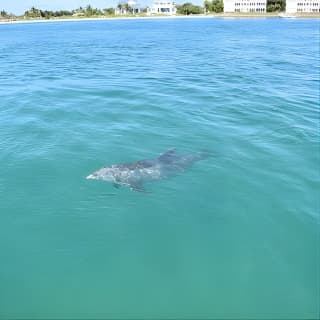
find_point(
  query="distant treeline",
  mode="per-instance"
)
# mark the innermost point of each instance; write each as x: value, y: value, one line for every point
x: 6, y: 15
x: 88, y: 11
x: 209, y: 6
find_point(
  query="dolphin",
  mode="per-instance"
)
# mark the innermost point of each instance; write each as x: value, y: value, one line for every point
x: 135, y: 174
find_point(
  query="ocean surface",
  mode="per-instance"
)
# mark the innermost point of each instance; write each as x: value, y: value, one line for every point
x: 235, y: 236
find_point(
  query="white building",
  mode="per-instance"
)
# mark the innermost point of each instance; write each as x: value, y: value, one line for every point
x: 163, y: 7
x: 128, y: 7
x: 257, y: 6
x: 296, y: 6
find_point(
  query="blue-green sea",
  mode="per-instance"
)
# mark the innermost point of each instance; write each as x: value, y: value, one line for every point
x: 234, y: 236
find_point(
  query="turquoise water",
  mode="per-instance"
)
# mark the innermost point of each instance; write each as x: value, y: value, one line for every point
x: 236, y: 236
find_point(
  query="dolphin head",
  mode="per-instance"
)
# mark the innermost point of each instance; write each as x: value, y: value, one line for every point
x: 106, y: 174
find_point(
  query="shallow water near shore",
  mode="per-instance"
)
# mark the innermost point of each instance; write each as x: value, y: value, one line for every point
x: 235, y: 236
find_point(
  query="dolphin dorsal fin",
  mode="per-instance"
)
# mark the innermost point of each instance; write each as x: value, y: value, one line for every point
x: 168, y: 154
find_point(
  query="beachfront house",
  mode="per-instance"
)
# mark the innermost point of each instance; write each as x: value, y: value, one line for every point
x: 300, y: 6
x: 166, y: 7
x: 128, y: 7
x: 257, y: 6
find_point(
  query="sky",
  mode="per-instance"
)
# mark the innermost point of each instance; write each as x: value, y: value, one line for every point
x: 19, y: 6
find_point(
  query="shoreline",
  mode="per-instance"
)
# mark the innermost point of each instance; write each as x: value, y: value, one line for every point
x: 208, y: 16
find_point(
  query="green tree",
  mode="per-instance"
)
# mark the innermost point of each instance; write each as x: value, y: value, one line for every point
x: 188, y: 8
x: 217, y: 6
x: 127, y: 8
x: 4, y: 14
x: 90, y: 11
x: 276, y: 5
x: 213, y: 6
x: 208, y: 6
x: 33, y: 13
x: 144, y: 10
x: 108, y: 11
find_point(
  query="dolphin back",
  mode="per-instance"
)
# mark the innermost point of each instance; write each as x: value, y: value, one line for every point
x: 171, y: 160
x: 194, y: 157
x: 168, y: 156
